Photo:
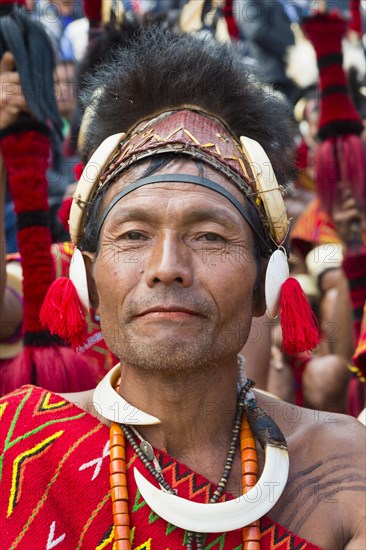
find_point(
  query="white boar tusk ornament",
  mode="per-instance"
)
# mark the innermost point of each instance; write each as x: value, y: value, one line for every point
x: 224, y: 516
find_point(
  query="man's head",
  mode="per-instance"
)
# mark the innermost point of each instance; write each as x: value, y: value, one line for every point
x: 176, y: 265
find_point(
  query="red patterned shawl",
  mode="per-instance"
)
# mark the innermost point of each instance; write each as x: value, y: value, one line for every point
x: 55, y: 484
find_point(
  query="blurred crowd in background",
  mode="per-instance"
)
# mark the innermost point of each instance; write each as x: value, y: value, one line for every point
x: 328, y: 247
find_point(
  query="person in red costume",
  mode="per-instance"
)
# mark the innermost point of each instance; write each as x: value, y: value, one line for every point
x: 179, y: 223
x: 28, y: 353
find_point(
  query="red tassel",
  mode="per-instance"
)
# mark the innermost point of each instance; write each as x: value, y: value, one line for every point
x: 298, y: 322
x: 63, y: 314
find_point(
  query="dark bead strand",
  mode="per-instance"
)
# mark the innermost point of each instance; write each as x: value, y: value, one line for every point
x: 232, y: 448
x: 198, y: 538
x: 159, y: 478
x: 199, y: 541
x: 230, y: 456
x: 190, y: 537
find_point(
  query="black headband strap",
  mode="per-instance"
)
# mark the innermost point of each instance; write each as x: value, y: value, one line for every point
x: 184, y: 178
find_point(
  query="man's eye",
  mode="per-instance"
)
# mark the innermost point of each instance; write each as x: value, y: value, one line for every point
x: 211, y: 237
x: 133, y: 236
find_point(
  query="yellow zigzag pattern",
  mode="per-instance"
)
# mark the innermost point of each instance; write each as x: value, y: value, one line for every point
x: 19, y: 465
x: 46, y: 405
x: 144, y: 546
x: 106, y: 541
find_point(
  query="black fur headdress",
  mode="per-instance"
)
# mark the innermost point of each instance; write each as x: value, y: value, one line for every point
x: 160, y: 69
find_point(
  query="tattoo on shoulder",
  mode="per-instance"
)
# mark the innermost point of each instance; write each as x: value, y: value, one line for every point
x: 320, y: 483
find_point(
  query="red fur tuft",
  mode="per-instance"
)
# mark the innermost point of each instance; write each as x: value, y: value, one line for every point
x: 340, y: 159
x: 327, y: 174
x: 56, y: 368
x: 353, y: 152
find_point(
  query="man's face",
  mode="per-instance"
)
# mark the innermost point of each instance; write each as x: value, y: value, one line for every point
x: 175, y: 273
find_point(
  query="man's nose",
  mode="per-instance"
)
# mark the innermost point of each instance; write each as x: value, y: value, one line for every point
x: 169, y: 262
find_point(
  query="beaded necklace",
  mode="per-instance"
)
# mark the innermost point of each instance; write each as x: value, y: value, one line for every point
x: 118, y: 473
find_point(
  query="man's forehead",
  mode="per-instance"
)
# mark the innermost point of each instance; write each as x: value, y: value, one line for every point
x: 186, y: 205
x: 176, y: 166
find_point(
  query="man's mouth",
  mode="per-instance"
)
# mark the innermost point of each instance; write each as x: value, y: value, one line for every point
x: 168, y: 312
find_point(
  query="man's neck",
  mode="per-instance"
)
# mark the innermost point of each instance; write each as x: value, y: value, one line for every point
x: 196, y: 408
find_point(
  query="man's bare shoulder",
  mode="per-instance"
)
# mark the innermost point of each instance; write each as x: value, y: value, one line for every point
x: 327, y: 475
x: 328, y: 427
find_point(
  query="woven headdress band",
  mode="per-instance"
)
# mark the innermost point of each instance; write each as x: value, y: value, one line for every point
x: 186, y: 132
x: 200, y: 137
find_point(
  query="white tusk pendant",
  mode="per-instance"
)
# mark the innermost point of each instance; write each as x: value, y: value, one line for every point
x: 111, y: 405
x: 223, y: 516
x: 277, y: 273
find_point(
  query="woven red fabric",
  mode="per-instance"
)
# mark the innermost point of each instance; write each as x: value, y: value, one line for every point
x: 314, y: 226
x: 55, y: 484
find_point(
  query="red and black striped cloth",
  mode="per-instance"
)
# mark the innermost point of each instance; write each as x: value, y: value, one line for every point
x: 338, y: 115
x: 45, y: 359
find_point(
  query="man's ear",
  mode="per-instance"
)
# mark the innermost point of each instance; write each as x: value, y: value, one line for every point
x: 92, y: 288
x: 259, y: 298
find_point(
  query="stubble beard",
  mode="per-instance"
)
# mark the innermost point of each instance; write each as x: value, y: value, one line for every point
x: 164, y: 351
x: 163, y: 354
